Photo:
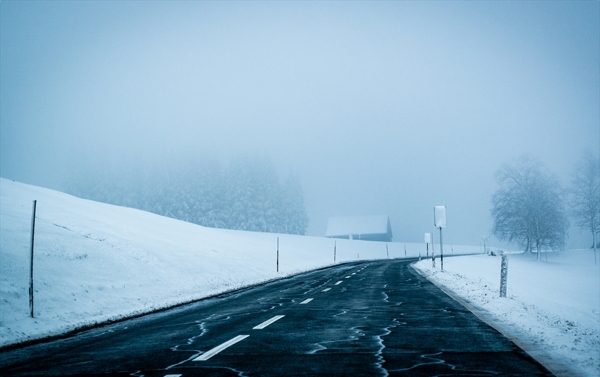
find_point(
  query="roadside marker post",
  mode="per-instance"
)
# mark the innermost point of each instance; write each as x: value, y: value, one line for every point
x: 334, y: 250
x: 277, y: 254
x: 503, y: 274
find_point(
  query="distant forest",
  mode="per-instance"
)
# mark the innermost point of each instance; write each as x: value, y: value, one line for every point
x: 247, y: 195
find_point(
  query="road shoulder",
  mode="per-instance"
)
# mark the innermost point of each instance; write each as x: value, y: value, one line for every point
x: 558, y: 366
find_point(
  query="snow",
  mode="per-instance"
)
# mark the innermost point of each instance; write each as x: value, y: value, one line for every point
x: 552, y: 308
x: 96, y: 262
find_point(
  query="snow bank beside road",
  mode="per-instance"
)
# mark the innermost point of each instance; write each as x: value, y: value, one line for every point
x: 552, y: 308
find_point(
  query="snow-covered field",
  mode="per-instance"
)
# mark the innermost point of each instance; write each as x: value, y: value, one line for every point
x: 96, y: 262
x: 552, y: 308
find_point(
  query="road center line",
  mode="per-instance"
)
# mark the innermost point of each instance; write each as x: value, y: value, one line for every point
x: 306, y: 301
x: 268, y: 322
x: 207, y: 355
x: 338, y: 283
x: 326, y: 289
x: 348, y: 277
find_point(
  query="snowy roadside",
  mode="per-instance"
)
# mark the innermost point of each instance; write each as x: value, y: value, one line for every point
x: 552, y: 309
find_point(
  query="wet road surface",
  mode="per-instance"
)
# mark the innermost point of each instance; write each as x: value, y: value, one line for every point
x: 360, y: 319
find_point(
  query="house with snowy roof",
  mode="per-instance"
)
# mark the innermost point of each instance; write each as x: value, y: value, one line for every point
x: 368, y: 228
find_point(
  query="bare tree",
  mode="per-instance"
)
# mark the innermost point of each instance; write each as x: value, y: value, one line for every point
x: 585, y: 195
x: 528, y: 207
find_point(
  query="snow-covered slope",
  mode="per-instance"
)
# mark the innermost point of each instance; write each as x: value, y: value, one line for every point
x: 552, y: 308
x: 95, y: 262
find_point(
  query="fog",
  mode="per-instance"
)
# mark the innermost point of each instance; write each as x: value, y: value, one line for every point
x: 381, y: 107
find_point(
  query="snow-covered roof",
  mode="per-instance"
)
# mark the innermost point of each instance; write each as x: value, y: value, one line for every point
x: 343, y: 226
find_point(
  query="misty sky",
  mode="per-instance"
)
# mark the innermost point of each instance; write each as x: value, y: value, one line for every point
x: 382, y: 107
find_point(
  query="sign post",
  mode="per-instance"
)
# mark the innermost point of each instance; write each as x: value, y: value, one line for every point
x: 427, y: 242
x: 277, y: 254
x: 439, y: 215
x: 432, y: 252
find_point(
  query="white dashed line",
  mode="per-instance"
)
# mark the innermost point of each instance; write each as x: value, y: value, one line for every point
x: 338, y: 283
x: 173, y: 375
x: 207, y: 355
x: 306, y: 301
x: 348, y: 277
x: 326, y: 289
x: 268, y: 322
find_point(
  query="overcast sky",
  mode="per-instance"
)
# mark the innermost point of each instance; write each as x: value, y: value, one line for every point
x: 382, y: 107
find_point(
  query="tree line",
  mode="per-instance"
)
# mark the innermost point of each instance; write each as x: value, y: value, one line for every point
x: 530, y: 207
x: 246, y: 195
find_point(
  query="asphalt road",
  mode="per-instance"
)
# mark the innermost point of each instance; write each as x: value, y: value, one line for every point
x: 362, y: 319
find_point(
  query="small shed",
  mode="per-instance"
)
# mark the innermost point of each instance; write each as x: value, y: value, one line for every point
x: 368, y: 228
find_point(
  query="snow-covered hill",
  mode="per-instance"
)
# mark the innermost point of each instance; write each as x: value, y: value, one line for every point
x: 96, y: 262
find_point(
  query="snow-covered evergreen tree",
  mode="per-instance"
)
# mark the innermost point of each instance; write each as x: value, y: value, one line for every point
x: 295, y: 220
x: 246, y: 196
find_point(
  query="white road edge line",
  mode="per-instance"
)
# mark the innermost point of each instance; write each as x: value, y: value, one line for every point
x: 268, y: 322
x: 338, y: 283
x: 326, y: 289
x: 207, y: 355
x: 306, y: 301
